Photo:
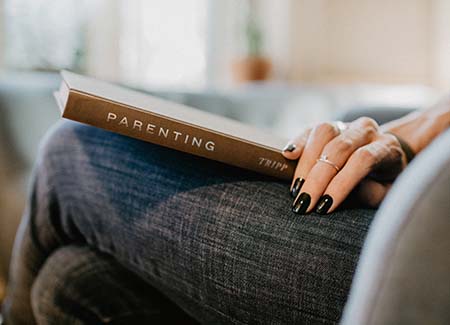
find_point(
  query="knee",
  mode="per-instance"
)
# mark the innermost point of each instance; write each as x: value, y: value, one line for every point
x: 71, y: 148
x: 78, y: 285
x: 59, y: 162
x: 71, y: 152
x: 57, y: 291
x: 57, y: 150
x: 54, y: 172
x: 64, y: 139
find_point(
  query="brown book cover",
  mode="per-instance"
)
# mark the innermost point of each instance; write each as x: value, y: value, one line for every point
x: 172, y: 125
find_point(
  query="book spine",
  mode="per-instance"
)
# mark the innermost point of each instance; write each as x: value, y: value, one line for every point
x: 160, y: 130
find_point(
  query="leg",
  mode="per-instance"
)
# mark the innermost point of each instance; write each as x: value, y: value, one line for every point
x: 218, y: 241
x: 78, y: 285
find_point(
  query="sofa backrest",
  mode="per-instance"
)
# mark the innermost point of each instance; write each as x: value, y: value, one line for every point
x: 403, y: 276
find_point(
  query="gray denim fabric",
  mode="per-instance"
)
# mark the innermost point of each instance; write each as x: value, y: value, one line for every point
x: 219, y: 242
x: 79, y: 285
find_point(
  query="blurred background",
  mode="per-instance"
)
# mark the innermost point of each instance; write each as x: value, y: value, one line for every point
x: 277, y: 64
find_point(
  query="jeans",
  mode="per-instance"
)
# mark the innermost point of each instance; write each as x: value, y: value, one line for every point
x: 121, y: 231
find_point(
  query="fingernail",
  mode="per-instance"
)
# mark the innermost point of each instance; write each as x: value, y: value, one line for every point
x: 302, y: 203
x: 289, y: 147
x: 297, y: 186
x: 324, y: 204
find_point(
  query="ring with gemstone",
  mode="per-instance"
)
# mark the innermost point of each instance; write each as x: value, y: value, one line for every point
x: 324, y: 159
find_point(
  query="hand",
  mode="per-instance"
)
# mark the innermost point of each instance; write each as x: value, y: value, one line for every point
x: 332, y: 163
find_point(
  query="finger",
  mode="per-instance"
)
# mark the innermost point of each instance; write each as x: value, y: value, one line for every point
x: 360, y: 164
x: 337, y: 152
x: 372, y: 192
x: 319, y: 136
x: 294, y: 148
x: 387, y: 172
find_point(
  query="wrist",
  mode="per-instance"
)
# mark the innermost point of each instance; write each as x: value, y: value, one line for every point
x: 419, y: 128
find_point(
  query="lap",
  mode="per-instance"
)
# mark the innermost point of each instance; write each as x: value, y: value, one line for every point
x: 218, y: 240
x: 79, y: 285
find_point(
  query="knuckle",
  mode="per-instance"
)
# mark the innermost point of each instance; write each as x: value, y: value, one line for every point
x: 370, y: 132
x: 343, y: 144
x: 391, y: 139
x: 366, y: 156
x: 395, y: 150
x: 325, y: 128
x: 368, y: 122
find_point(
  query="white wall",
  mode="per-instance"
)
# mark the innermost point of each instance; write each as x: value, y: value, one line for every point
x: 441, y: 44
x: 103, y: 40
x: 381, y: 41
x: 401, y: 41
x: 278, y: 32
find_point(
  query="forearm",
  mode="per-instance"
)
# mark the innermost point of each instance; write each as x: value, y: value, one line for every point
x: 419, y: 128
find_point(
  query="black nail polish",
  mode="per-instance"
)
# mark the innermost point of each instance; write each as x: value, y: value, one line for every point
x: 302, y: 203
x: 289, y: 147
x: 297, y: 186
x: 324, y: 204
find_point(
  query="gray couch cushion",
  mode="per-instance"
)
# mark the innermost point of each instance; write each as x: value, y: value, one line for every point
x: 404, y: 272
x: 379, y: 114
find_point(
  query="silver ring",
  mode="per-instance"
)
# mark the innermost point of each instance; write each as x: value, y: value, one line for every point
x: 325, y: 160
x: 341, y: 126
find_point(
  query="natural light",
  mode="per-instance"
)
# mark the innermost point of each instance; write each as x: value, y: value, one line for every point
x: 163, y: 42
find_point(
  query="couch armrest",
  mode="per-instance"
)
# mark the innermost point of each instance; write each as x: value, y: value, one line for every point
x: 403, y: 276
x: 379, y: 114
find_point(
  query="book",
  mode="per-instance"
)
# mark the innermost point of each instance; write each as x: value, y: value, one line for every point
x: 148, y: 118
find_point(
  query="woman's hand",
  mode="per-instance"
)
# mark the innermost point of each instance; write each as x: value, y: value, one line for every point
x: 363, y: 156
x: 333, y: 160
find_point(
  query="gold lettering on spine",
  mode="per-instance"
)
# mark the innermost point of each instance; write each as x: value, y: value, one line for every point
x: 210, y: 146
x: 137, y: 125
x: 150, y: 128
x: 124, y: 121
x: 272, y: 164
x: 163, y: 132
x: 177, y: 134
x: 111, y: 117
x: 196, y: 142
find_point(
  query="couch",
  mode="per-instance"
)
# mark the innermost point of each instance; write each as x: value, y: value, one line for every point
x: 402, y: 274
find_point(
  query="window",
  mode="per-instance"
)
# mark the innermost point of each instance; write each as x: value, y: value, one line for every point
x: 163, y: 43
x: 44, y: 34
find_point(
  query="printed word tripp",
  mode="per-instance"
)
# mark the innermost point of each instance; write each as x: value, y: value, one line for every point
x: 272, y: 164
